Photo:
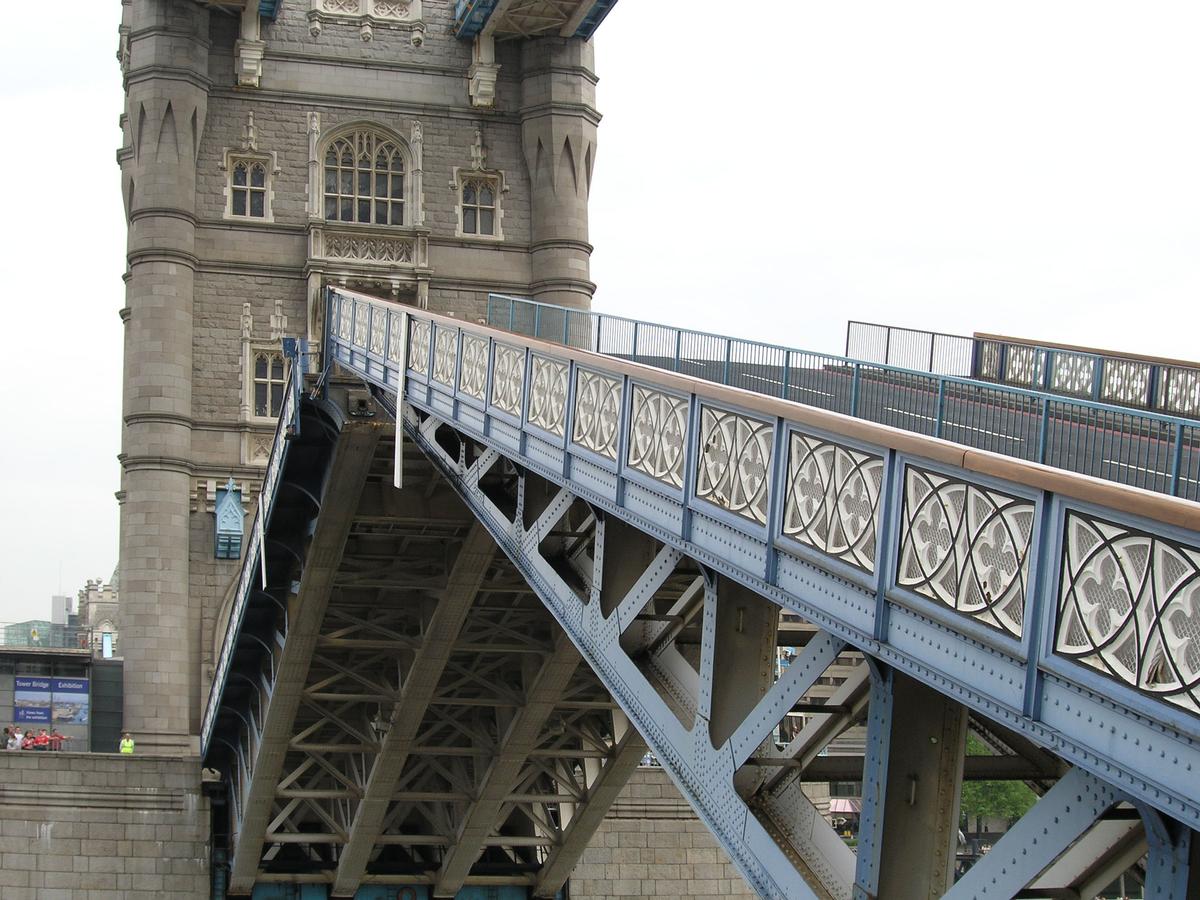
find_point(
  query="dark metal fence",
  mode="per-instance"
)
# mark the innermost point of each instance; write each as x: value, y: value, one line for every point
x: 1148, y: 450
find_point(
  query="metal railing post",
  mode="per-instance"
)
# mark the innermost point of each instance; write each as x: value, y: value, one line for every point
x: 1177, y: 460
x: 537, y: 320
x: 633, y: 353
x: 728, y: 355
x: 787, y: 371
x: 1043, y: 429
x: 1152, y: 388
x: 566, y: 327
x: 678, y: 347
x: 511, y: 311
x: 599, y: 322
x: 855, y: 386
x: 941, y: 406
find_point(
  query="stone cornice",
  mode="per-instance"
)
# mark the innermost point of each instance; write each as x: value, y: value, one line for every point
x: 228, y: 267
x: 561, y: 244
x: 559, y: 69
x: 560, y: 108
x: 558, y: 284
x: 361, y: 106
x: 162, y: 254
x: 155, y: 73
x: 155, y: 464
x: 456, y: 72
x: 158, y: 418
x: 164, y: 212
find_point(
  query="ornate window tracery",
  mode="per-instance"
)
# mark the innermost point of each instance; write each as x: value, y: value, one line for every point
x: 248, y: 189
x: 479, y: 205
x: 367, y: 15
x: 248, y: 175
x: 365, y: 179
x: 478, y: 192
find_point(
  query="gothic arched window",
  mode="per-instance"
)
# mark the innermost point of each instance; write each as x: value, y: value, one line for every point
x: 249, y: 188
x: 364, y: 180
x: 479, y: 205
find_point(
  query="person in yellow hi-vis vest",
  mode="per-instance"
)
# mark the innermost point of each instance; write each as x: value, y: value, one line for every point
x: 127, y: 743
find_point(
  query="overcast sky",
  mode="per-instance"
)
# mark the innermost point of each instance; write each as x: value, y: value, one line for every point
x: 765, y: 169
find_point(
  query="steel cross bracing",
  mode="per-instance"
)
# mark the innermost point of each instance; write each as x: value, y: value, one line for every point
x: 400, y: 708
x: 1054, y: 607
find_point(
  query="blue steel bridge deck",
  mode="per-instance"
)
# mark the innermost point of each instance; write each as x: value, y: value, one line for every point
x: 1030, y: 667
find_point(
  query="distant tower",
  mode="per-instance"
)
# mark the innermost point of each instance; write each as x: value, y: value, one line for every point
x: 385, y: 146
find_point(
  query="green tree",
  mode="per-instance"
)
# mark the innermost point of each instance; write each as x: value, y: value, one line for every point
x: 985, y: 799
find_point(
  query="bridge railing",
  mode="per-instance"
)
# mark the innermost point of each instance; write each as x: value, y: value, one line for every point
x: 1143, y: 449
x: 1149, y: 383
x: 252, y: 557
x: 911, y: 348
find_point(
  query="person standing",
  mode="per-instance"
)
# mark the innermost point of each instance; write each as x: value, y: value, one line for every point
x: 127, y: 743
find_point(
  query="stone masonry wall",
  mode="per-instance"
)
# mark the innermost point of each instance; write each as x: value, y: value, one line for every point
x: 652, y: 845
x: 81, y: 826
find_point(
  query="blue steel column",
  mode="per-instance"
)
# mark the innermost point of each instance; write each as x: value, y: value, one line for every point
x: 874, y: 783
x: 1168, y: 864
x: 920, y: 801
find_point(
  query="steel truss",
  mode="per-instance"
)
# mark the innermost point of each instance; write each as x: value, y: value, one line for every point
x: 689, y: 654
x: 402, y: 709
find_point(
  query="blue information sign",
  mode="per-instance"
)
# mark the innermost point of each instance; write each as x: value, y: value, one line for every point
x: 31, y: 699
x: 70, y: 700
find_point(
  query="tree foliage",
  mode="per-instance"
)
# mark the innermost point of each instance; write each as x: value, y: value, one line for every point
x: 986, y: 799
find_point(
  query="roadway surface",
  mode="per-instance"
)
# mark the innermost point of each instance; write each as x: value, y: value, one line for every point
x: 1117, y: 444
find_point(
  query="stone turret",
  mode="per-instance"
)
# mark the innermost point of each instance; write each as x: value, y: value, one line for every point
x: 165, y: 61
x: 558, y: 133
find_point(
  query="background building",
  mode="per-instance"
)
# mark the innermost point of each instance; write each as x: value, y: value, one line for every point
x: 97, y: 606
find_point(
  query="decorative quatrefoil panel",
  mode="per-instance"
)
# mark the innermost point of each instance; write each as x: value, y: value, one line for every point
x: 967, y: 546
x: 1129, y: 605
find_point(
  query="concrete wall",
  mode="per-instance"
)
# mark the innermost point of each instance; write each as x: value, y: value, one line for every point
x: 101, y: 827
x: 652, y: 845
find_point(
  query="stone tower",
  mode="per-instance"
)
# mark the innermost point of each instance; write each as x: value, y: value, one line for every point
x: 272, y: 147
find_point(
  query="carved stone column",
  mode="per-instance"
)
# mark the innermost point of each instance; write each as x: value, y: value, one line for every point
x: 558, y: 132
x: 166, y: 101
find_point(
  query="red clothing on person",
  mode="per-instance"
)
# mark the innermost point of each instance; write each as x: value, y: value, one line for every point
x: 41, y: 742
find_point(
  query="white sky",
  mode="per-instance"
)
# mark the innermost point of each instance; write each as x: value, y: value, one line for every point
x: 766, y: 169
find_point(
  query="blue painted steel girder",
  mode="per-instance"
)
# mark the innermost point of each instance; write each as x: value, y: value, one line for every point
x: 470, y: 17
